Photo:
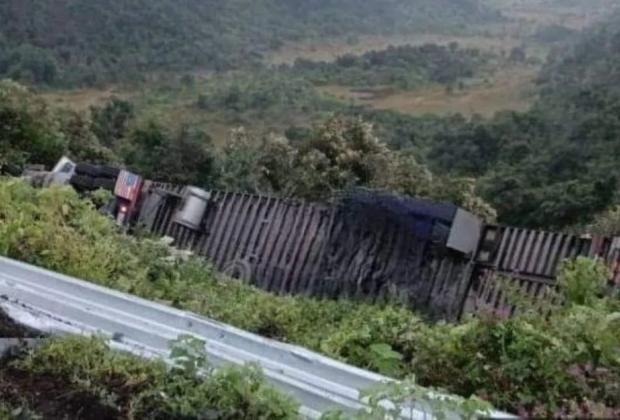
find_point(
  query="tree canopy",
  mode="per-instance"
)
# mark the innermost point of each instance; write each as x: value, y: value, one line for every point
x: 111, y: 40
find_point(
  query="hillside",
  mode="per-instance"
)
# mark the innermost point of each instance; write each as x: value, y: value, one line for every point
x: 591, y: 64
x: 84, y: 42
x: 556, y: 164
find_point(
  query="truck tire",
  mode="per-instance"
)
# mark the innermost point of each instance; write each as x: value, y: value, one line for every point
x: 87, y: 169
x: 109, y: 171
x: 11, y: 169
x: 105, y: 183
x: 82, y: 183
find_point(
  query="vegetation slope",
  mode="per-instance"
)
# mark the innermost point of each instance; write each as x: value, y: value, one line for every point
x: 566, y: 363
x: 553, y: 166
x: 83, y: 42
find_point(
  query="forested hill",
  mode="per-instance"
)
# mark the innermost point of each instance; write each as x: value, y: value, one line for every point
x: 557, y: 164
x: 85, y: 41
x: 591, y: 64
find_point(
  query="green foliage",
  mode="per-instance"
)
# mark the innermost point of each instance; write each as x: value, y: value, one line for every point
x: 392, y: 399
x: 583, y: 280
x: 188, y: 353
x: 262, y: 94
x: 552, y: 166
x: 29, y: 131
x: 113, y: 40
x: 111, y: 122
x: 404, y: 67
x: 83, y: 145
x: 526, y: 359
x: 256, y: 165
x: 547, y: 300
x: 185, y: 157
x: 28, y: 63
x: 586, y: 64
x: 89, y: 364
x: 340, y: 154
x: 32, y: 132
x: 150, y: 390
x: 607, y: 223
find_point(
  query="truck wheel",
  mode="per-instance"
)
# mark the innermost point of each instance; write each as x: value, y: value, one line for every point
x: 11, y: 169
x: 87, y: 169
x: 82, y: 183
x: 109, y: 171
x: 105, y: 183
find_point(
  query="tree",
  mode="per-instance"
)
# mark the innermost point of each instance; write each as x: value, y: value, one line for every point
x: 111, y: 122
x: 184, y: 158
x: 29, y: 132
x: 342, y: 153
x: 82, y: 144
x: 257, y: 165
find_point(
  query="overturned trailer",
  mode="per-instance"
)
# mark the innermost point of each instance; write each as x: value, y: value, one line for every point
x: 364, y: 244
x: 371, y: 245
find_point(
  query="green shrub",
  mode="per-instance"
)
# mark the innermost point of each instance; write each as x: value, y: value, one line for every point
x: 583, y: 280
x: 152, y: 390
x: 28, y: 130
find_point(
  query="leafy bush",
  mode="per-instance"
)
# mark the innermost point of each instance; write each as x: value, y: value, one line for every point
x: 606, y: 223
x: 583, y: 280
x: 152, y: 390
x: 564, y: 363
x: 184, y: 157
x: 29, y: 131
x: 33, y: 132
x: 567, y: 362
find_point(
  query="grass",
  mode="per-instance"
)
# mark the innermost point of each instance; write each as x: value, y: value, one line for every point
x: 509, y: 90
x: 82, y: 99
x: 173, y: 108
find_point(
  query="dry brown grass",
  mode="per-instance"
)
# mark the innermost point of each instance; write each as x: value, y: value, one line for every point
x: 510, y: 90
x: 83, y: 99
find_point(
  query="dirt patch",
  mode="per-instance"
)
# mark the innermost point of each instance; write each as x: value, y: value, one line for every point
x: 51, y: 397
x: 11, y: 329
x: 83, y: 99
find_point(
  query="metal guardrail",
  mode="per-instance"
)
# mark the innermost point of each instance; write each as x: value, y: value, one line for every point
x: 60, y: 304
